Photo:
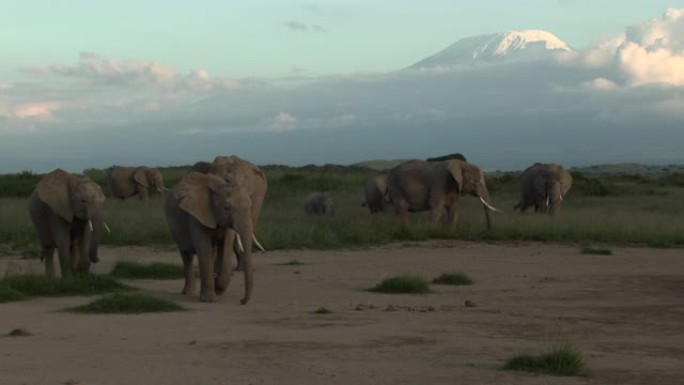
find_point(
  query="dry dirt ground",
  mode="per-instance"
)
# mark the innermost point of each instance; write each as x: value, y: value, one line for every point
x: 625, y: 312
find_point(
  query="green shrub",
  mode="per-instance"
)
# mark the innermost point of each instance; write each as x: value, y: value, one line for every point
x: 453, y: 279
x: 128, y: 303
x: 155, y: 270
x: 403, y: 284
x: 564, y: 360
x: 18, y: 287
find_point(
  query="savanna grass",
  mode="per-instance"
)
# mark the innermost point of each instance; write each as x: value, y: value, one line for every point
x: 19, y: 287
x: 455, y: 279
x: 127, y: 303
x: 322, y: 310
x: 563, y: 360
x: 403, y: 284
x: 155, y: 270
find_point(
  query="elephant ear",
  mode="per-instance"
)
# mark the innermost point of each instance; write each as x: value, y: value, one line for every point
x: 140, y: 177
x: 455, y: 168
x: 195, y: 190
x: 53, y: 190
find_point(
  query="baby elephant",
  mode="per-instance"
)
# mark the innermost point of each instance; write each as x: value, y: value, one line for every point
x: 318, y: 203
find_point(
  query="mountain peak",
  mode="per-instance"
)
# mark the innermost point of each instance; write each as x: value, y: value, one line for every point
x: 497, y: 47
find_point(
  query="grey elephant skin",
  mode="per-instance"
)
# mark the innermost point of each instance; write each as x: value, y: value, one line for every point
x: 246, y: 175
x: 125, y: 182
x: 319, y: 203
x: 543, y: 185
x: 66, y: 211
x: 418, y: 185
x: 376, y: 194
x: 210, y: 217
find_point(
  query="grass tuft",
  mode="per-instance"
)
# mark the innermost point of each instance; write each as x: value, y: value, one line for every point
x: 323, y: 310
x: 563, y: 360
x: 128, y: 303
x: 19, y: 332
x: 293, y: 262
x: 595, y: 250
x: 156, y: 270
x: 455, y: 279
x: 18, y: 287
x: 402, y: 284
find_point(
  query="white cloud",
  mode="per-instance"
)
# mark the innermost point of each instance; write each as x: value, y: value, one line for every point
x: 282, y: 122
x: 599, y: 84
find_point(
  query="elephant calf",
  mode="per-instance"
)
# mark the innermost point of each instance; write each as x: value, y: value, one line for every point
x: 375, y: 191
x: 318, y: 203
x: 543, y: 185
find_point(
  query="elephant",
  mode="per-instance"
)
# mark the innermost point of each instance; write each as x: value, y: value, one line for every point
x: 248, y: 176
x: 318, y: 203
x: 543, y: 185
x: 418, y: 185
x: 66, y: 211
x: 211, y: 217
x: 124, y: 182
x: 375, y: 190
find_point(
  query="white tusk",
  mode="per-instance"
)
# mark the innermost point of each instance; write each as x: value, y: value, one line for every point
x: 159, y: 189
x: 107, y: 228
x: 490, y: 206
x: 547, y: 201
x: 561, y: 197
x: 257, y: 243
x: 239, y: 243
x: 90, y: 224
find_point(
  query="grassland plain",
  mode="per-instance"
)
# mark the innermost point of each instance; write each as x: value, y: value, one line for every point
x: 612, y: 210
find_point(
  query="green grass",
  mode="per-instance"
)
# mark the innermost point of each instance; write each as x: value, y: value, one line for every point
x: 596, y: 250
x: 403, y: 284
x: 323, y: 310
x: 127, y: 303
x: 455, y: 279
x: 155, y: 270
x: 19, y: 332
x: 563, y: 360
x: 19, y: 287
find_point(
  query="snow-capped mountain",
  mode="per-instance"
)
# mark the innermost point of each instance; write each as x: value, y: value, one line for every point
x: 497, y: 47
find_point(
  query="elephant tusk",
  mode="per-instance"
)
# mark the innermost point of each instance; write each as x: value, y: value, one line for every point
x: 106, y: 227
x: 239, y: 243
x: 547, y: 200
x: 561, y: 197
x: 257, y: 243
x: 90, y: 224
x: 484, y: 202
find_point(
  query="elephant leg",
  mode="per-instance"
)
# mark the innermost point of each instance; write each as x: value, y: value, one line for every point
x: 75, y: 256
x: 223, y: 264
x: 189, y: 287
x: 48, y: 256
x: 402, y: 209
x: 63, y: 241
x: 205, y: 257
x: 142, y: 193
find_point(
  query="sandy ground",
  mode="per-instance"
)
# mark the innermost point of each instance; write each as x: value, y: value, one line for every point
x: 625, y: 312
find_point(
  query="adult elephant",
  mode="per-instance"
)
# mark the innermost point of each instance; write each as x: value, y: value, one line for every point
x: 211, y: 217
x: 419, y: 185
x: 318, y: 203
x: 125, y: 182
x: 248, y: 176
x: 66, y: 211
x: 543, y: 185
x: 375, y: 191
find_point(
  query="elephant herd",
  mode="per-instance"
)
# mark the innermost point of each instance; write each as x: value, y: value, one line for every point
x: 213, y: 210
x: 436, y: 186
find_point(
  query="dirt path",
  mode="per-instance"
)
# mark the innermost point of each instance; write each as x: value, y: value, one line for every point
x: 625, y: 312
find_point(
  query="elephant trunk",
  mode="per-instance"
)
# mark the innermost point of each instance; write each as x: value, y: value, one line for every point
x: 245, y: 233
x: 554, y: 198
x: 484, y: 197
x: 92, y: 234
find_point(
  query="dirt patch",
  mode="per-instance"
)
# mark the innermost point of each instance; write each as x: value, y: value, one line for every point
x: 624, y: 312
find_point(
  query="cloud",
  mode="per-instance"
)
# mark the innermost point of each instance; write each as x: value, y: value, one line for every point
x: 282, y: 122
x: 299, y: 26
x: 101, y: 70
x: 647, y: 53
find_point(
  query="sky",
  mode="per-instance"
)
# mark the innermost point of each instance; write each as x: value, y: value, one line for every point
x: 91, y: 84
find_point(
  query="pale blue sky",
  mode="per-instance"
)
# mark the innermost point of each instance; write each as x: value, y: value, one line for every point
x: 252, y: 38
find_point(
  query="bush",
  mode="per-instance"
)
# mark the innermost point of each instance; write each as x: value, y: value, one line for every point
x: 453, y: 279
x: 564, y: 360
x: 403, y: 284
x: 128, y: 303
x: 18, y: 287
